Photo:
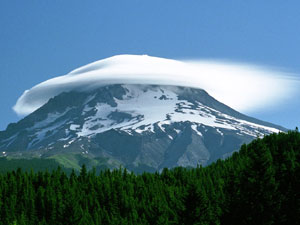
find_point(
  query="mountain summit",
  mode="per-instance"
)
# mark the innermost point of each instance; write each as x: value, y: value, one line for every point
x: 239, y: 86
x: 142, y: 127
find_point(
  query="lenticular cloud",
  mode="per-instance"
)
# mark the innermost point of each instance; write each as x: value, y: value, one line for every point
x: 240, y: 86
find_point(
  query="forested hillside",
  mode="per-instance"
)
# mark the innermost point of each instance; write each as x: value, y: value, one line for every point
x: 258, y: 185
x: 35, y: 164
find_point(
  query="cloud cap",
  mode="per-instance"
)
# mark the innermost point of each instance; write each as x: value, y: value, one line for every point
x: 243, y: 87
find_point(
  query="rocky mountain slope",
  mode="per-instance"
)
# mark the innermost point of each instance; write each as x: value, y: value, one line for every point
x: 142, y: 127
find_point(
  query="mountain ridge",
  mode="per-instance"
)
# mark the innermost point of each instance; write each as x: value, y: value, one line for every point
x: 135, y: 125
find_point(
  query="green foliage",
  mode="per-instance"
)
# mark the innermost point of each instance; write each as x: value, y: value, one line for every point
x: 258, y: 185
x: 37, y: 164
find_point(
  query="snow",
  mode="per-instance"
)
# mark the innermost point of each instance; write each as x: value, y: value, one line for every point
x: 244, y: 125
x: 194, y: 127
x: 74, y: 126
x: 147, y: 109
x: 169, y: 136
x: 86, y: 107
x: 51, y: 117
x: 220, y: 132
x: 151, y: 110
x: 9, y: 140
x: 201, y: 117
x: 41, y: 133
x: 69, y: 143
x: 177, y: 131
x: 240, y: 86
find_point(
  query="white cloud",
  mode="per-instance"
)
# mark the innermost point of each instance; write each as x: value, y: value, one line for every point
x: 243, y: 87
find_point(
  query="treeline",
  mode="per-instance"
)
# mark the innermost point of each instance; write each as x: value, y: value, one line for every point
x: 35, y: 164
x: 28, y: 163
x: 258, y: 185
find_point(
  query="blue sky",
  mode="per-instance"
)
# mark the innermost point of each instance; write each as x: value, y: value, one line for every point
x: 40, y: 40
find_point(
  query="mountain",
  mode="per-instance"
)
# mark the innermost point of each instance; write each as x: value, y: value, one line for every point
x: 142, y: 127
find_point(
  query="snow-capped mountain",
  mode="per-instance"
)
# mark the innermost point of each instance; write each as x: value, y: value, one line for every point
x: 146, y: 127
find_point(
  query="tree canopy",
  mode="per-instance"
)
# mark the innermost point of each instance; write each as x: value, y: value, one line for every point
x: 257, y: 185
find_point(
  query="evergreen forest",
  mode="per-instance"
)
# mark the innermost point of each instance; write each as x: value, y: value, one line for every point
x: 258, y: 185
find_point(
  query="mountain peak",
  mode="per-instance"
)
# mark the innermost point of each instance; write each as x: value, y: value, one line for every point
x: 157, y: 125
x: 239, y: 86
